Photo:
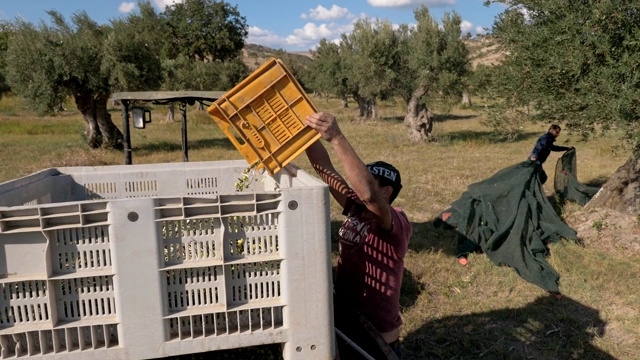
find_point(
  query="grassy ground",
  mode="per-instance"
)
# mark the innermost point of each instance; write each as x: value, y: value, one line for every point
x: 450, y: 311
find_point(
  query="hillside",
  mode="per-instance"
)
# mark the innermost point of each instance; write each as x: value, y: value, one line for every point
x: 484, y: 51
x: 255, y: 55
x: 481, y: 51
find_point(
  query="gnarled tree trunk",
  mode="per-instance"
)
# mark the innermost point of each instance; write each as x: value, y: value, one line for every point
x: 622, y: 191
x: 365, y: 106
x: 374, y: 109
x: 419, y: 119
x: 171, y: 113
x: 98, y: 126
x: 466, y: 98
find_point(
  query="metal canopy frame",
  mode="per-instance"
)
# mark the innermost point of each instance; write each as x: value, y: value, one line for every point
x: 184, y: 98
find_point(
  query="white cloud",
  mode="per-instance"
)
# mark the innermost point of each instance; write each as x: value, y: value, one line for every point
x: 126, y: 7
x: 320, y: 13
x: 410, y: 3
x: 310, y: 34
x: 305, y: 38
x: 466, y: 26
x: 313, y: 31
x: 162, y: 4
x: 264, y: 37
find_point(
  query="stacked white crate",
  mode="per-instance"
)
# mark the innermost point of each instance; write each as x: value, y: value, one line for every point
x: 148, y: 261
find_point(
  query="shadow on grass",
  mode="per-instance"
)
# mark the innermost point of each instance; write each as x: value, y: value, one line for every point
x: 391, y: 119
x: 427, y: 236
x: 222, y: 143
x: 436, y: 118
x: 598, y: 182
x: 177, y: 145
x: 453, y: 117
x: 544, y: 329
x: 431, y: 236
x: 485, y: 137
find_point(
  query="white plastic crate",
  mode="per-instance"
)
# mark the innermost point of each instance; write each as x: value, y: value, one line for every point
x: 149, y: 261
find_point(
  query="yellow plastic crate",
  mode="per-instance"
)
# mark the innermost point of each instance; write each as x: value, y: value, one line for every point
x: 264, y: 117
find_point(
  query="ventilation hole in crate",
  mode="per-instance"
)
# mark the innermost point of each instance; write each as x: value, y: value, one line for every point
x: 197, y: 326
x: 23, y: 302
x: 232, y: 322
x: 198, y: 227
x: 208, y: 325
x: 72, y: 339
x: 221, y: 324
x: 279, y: 131
x: 262, y: 109
x: 243, y: 320
x: 85, y: 298
x: 196, y: 233
x: 192, y: 288
x: 31, y: 202
x: 81, y: 248
x: 254, y: 281
x: 235, y: 135
x: 100, y: 190
x: 275, y: 101
x: 252, y: 135
x: 249, y: 224
x: 202, y: 186
x: 291, y: 121
x: 184, y: 328
x: 142, y: 188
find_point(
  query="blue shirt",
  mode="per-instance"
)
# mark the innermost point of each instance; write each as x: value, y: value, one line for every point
x: 544, y: 146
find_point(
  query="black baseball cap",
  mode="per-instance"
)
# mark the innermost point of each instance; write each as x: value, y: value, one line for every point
x: 387, y: 175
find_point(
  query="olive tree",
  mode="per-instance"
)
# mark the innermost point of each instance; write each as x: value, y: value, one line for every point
x: 327, y: 71
x: 6, y: 29
x: 435, y: 68
x: 46, y: 63
x: 576, y: 62
x: 84, y: 60
x: 205, y: 30
x: 424, y: 64
x: 370, y: 57
x: 184, y: 73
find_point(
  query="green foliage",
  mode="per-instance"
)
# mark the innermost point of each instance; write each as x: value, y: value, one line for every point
x: 598, y: 225
x: 438, y: 58
x: 370, y: 56
x: 327, y: 73
x: 298, y: 65
x: 188, y: 74
x: 5, y: 31
x: 47, y: 63
x: 32, y: 66
x: 481, y: 79
x: 205, y: 30
x: 507, y: 124
x: 574, y: 62
x: 377, y: 62
x: 132, y: 50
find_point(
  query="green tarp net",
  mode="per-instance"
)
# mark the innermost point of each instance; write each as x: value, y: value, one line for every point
x: 566, y: 182
x: 509, y: 217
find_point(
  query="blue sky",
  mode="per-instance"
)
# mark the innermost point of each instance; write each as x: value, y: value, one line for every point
x: 292, y: 25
